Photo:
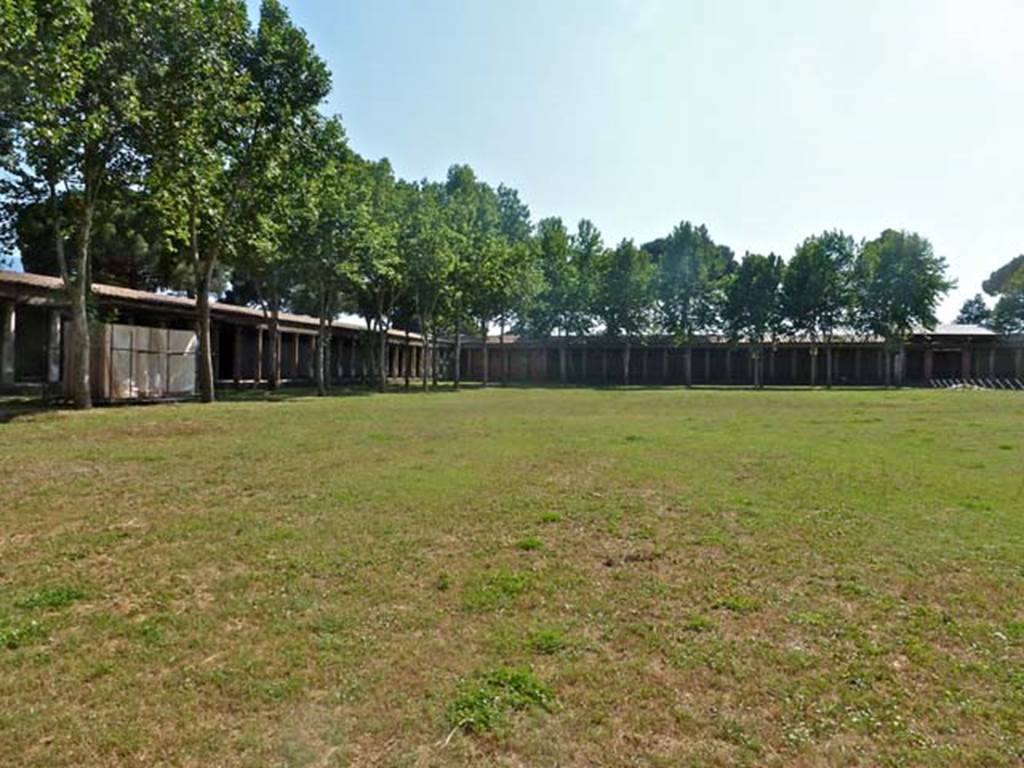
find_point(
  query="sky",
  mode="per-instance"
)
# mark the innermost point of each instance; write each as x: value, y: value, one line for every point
x: 767, y: 121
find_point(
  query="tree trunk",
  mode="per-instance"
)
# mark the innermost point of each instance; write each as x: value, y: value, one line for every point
x: 206, y: 381
x: 434, y: 359
x: 828, y: 365
x: 323, y: 341
x: 689, y: 366
x: 625, y: 363
x: 483, y: 353
x: 887, y: 354
x: 426, y: 361
x: 814, y: 366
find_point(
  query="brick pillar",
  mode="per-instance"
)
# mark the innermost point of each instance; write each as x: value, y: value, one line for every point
x: 53, y: 347
x: 7, y: 325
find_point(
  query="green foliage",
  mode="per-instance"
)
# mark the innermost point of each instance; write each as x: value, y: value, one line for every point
x: 690, y: 273
x: 528, y: 543
x: 752, y: 307
x: 817, y: 290
x: 899, y: 282
x: 485, y: 701
x: 13, y: 636
x: 975, y: 312
x: 625, y: 290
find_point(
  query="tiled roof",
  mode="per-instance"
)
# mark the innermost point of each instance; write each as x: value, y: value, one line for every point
x: 48, y: 283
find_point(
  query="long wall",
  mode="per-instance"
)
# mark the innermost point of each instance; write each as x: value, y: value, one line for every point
x: 597, y: 362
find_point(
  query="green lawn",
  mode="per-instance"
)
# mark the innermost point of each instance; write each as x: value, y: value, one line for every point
x: 516, y: 577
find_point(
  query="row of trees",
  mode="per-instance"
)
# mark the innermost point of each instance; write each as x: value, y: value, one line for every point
x: 169, y: 144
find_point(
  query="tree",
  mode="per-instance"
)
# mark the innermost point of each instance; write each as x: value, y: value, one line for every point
x: 690, y: 270
x: 128, y: 245
x: 551, y: 306
x: 71, y: 101
x: 975, y: 312
x: 625, y: 293
x: 752, y: 309
x: 377, y: 275
x: 471, y: 218
x: 427, y: 242
x: 585, y: 251
x: 1007, y: 284
x: 1008, y: 315
x: 224, y: 101
x: 817, y: 291
x: 899, y: 282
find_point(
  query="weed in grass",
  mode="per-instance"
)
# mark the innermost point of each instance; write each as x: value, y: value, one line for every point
x: 551, y: 517
x: 697, y: 623
x: 55, y: 597
x: 528, y: 543
x: 443, y: 583
x: 494, y: 590
x: 738, y: 603
x: 548, y: 640
x: 15, y: 636
x: 485, y: 701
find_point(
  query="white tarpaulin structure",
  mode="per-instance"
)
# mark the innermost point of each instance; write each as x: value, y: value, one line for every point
x: 132, y: 362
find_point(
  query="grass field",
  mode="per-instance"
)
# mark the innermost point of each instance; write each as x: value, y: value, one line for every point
x: 516, y: 577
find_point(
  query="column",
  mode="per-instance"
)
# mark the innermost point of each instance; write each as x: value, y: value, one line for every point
x: 793, y: 356
x: 583, y: 365
x: 992, y: 362
x: 664, y: 365
x: 1018, y: 363
x: 929, y: 364
x: 296, y: 371
x: 7, y: 324
x: 236, y: 362
x: 604, y: 367
x: 53, y: 346
x: 707, y: 365
x: 771, y: 366
x: 728, y: 365
x: 965, y: 361
x: 644, y: 368
x: 856, y: 366
x: 259, y: 355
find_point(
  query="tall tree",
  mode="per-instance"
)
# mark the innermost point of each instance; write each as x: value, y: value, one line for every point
x: 585, y: 251
x: 817, y: 292
x: 427, y: 242
x: 975, y: 312
x: 225, y: 99
x: 899, y: 282
x: 551, y: 306
x: 690, y: 269
x: 70, y: 102
x: 471, y: 214
x: 625, y: 294
x: 752, y: 310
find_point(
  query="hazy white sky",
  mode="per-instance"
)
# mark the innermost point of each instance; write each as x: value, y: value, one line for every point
x: 765, y: 120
